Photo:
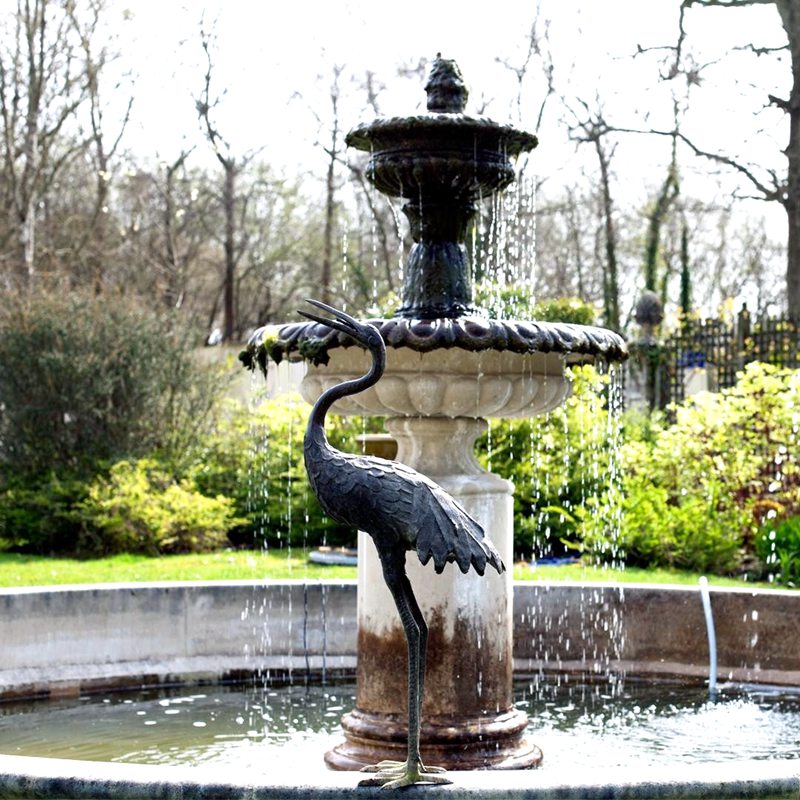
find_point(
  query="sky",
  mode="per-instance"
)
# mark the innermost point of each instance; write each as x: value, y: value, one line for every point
x: 274, y: 63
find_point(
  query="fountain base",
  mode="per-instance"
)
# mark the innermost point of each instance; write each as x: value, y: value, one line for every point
x: 464, y: 743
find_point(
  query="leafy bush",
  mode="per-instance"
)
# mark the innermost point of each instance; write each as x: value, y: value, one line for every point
x: 694, y: 491
x: 566, y: 309
x: 137, y: 507
x: 256, y: 458
x: 516, y: 302
x: 558, y: 463
x: 140, y: 508
x: 687, y: 494
x: 86, y: 379
x: 778, y: 546
x: 36, y: 512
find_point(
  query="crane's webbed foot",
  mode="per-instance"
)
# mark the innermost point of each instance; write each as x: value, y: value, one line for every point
x: 393, y: 774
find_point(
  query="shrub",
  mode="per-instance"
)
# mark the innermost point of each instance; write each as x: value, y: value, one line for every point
x: 778, y: 546
x: 87, y: 379
x: 140, y: 508
x: 694, y: 491
x: 558, y: 462
x: 35, y: 513
x: 255, y: 457
x: 515, y: 302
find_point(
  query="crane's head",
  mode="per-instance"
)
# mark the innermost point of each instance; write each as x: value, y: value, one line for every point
x: 365, y: 334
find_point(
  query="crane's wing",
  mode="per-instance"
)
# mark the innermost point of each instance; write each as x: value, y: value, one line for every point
x: 394, y: 503
x: 399, y: 506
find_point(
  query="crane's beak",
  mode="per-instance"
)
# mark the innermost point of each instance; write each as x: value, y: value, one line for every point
x: 343, y: 322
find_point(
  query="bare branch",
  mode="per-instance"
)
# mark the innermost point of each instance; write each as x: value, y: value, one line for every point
x: 762, y: 51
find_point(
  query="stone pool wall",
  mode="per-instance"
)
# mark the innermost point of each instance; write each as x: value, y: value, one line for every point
x: 64, y: 640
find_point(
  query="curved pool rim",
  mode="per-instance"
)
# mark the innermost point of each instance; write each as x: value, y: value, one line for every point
x: 27, y: 777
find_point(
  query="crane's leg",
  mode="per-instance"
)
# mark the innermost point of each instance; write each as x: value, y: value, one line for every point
x: 423, y: 656
x: 392, y: 774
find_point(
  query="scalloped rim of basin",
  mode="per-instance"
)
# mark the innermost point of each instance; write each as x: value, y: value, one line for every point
x: 383, y: 132
x: 312, y: 340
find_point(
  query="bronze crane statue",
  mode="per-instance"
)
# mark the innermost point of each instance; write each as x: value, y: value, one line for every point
x: 401, y: 510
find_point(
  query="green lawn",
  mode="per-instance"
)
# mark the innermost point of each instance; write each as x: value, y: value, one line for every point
x: 583, y: 572
x: 20, y: 570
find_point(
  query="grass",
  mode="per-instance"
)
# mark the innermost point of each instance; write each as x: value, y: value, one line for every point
x: 585, y: 572
x: 23, y: 570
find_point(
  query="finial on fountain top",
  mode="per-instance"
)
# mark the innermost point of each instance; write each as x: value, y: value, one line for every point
x: 446, y: 90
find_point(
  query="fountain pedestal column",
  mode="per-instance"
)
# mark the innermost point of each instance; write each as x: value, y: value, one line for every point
x: 469, y: 721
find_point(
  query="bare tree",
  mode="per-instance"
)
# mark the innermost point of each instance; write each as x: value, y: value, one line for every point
x: 102, y: 148
x: 333, y: 153
x: 769, y: 185
x: 234, y: 238
x: 46, y: 76
x: 591, y: 128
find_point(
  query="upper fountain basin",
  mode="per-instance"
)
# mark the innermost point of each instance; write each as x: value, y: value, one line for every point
x: 452, y: 153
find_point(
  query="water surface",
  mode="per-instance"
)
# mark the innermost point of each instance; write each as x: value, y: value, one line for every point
x: 577, y: 724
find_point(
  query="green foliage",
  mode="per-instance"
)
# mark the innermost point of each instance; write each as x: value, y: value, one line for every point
x: 256, y: 458
x: 778, y: 546
x: 140, y: 508
x: 137, y: 507
x: 86, y: 379
x: 694, y: 491
x: 566, y: 309
x: 35, y: 512
x: 687, y: 494
x: 516, y: 302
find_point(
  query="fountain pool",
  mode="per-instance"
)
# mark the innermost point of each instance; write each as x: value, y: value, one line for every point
x: 603, y: 739
x: 587, y: 725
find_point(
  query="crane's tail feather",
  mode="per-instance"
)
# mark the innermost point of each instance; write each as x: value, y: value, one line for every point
x: 454, y: 536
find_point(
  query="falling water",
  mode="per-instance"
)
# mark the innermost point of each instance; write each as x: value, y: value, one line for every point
x: 504, y: 251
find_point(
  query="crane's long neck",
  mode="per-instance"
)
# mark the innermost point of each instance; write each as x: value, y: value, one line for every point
x: 316, y: 421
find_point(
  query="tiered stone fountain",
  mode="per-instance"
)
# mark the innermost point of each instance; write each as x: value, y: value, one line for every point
x: 449, y: 367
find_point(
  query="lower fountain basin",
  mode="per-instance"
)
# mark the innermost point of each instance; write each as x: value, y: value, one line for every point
x: 76, y: 640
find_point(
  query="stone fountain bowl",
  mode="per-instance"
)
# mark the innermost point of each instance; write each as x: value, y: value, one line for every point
x: 462, y: 367
x: 423, y: 153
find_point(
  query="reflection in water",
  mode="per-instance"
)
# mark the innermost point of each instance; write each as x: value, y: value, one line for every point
x: 577, y: 724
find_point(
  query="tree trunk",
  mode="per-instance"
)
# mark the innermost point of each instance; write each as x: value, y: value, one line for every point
x: 666, y: 197
x: 327, y: 243
x: 610, y: 274
x: 790, y: 17
x: 229, y: 205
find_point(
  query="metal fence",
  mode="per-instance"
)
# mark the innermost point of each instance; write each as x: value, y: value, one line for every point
x: 707, y: 354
